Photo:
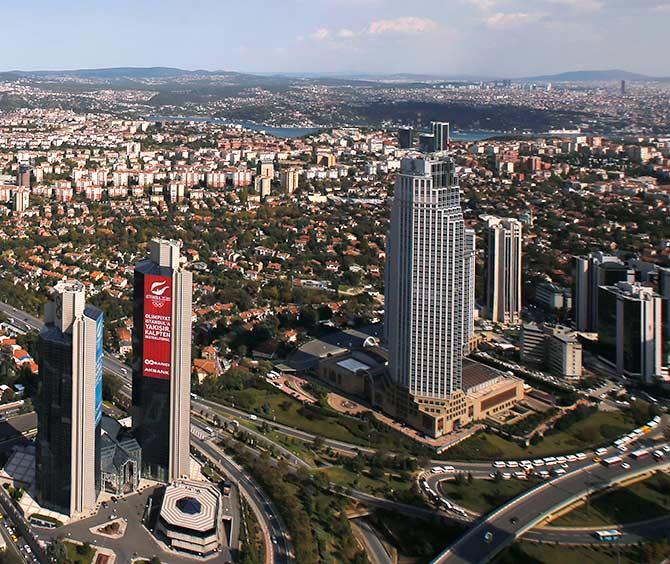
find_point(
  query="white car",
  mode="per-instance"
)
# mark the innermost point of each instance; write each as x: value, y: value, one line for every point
x: 601, y: 451
x: 625, y: 465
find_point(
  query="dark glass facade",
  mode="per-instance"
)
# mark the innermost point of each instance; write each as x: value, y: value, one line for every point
x: 151, y: 396
x: 607, y: 324
x: 53, y: 452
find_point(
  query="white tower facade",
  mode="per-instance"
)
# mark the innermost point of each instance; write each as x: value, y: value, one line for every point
x: 425, y: 279
x: 503, y: 269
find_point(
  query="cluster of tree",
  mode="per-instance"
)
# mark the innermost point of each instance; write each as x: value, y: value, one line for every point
x: 316, y: 519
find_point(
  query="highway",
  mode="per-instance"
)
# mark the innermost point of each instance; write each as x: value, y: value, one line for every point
x: 282, y: 551
x: 373, y: 545
x: 499, y: 529
x: 504, y: 525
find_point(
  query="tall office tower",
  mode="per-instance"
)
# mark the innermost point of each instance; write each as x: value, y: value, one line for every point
x: 162, y: 311
x: 592, y: 271
x: 427, y: 143
x: 21, y: 199
x: 469, y: 258
x: 441, y: 135
x: 664, y: 291
x: 290, y: 179
x: 425, y: 279
x: 623, y: 87
x: 69, y: 411
x: 23, y: 176
x: 503, y: 269
x: 405, y: 137
x: 630, y: 334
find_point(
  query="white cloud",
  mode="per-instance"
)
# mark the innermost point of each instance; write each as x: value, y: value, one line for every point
x: 320, y: 34
x: 587, y: 6
x: 346, y: 34
x: 515, y: 20
x: 410, y: 25
x: 483, y: 5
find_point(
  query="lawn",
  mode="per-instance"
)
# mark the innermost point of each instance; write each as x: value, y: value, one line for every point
x: 273, y: 405
x: 483, y: 496
x: 377, y: 486
x: 596, y: 429
x: 638, y: 502
x: 73, y: 555
x: 532, y: 553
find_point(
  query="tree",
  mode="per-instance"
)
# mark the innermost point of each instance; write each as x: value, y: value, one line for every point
x: 56, y: 552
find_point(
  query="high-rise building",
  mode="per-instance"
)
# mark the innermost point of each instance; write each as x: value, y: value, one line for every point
x: 289, y: 179
x: 441, y: 135
x: 469, y: 258
x: 405, y: 137
x: 503, y: 269
x: 425, y: 279
x: 69, y: 410
x: 623, y: 87
x: 630, y: 334
x: 162, y: 312
x: 23, y: 176
x: 592, y: 271
x: 21, y: 199
x: 427, y: 143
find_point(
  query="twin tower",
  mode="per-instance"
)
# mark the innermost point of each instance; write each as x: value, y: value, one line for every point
x: 67, y: 469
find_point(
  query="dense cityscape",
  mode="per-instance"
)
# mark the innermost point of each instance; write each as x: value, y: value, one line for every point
x: 390, y: 304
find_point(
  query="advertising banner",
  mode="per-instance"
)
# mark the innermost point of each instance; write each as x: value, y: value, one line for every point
x: 157, y: 327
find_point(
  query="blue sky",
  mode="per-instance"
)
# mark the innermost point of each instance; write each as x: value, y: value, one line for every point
x: 475, y: 37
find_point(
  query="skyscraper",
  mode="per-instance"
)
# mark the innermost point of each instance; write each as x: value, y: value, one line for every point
x: 441, y: 135
x: 592, y: 271
x: 405, y: 137
x: 425, y: 279
x: 630, y: 333
x: 469, y: 257
x: 162, y: 311
x: 503, y: 269
x: 67, y: 469
x: 427, y: 143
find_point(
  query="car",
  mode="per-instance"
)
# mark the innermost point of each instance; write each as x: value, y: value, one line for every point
x: 658, y: 455
x: 498, y: 464
x: 513, y: 520
x: 580, y: 456
x: 274, y: 540
x: 538, y: 462
x: 625, y: 465
x: 492, y: 475
x: 601, y: 451
x: 488, y: 536
x: 506, y: 476
x: 666, y: 448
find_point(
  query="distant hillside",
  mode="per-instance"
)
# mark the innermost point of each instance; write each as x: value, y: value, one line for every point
x: 592, y: 76
x: 113, y: 73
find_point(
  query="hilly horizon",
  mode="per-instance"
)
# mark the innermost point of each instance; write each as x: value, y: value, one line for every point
x: 162, y: 72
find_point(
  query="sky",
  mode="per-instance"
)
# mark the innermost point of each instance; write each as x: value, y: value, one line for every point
x: 494, y: 38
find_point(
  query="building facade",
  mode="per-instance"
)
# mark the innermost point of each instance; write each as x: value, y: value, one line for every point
x: 630, y: 332
x: 441, y: 135
x: 425, y: 279
x: 592, y: 271
x: 67, y: 464
x: 503, y: 269
x: 469, y: 273
x: 162, y: 315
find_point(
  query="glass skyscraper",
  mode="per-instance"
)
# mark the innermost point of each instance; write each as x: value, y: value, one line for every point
x: 69, y: 405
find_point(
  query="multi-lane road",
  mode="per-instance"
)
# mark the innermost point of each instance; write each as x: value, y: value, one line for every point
x: 279, y: 545
x: 481, y: 542
x: 490, y: 535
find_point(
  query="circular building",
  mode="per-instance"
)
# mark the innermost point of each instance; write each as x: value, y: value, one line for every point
x: 191, y: 517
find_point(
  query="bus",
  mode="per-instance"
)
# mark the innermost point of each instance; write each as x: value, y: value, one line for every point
x: 640, y: 454
x: 612, y: 460
x: 610, y: 535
